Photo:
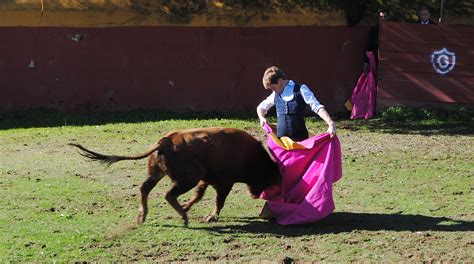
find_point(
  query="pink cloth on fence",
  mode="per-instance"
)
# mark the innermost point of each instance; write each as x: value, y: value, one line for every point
x: 364, y: 94
x: 308, y: 168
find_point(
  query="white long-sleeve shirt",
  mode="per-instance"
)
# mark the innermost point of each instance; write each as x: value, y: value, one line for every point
x: 287, y: 94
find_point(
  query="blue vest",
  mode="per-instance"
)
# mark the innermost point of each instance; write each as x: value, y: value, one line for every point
x: 290, y: 116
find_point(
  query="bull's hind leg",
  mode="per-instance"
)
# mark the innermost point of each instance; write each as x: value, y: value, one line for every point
x: 154, y: 176
x: 199, y: 192
x: 172, y: 198
x: 221, y: 195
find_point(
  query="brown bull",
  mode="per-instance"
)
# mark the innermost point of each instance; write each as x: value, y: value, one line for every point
x: 200, y: 157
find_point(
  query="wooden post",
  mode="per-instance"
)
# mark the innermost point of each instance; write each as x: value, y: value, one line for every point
x: 441, y: 12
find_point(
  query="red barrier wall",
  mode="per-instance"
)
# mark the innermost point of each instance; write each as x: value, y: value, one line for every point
x: 177, y: 68
x: 406, y: 73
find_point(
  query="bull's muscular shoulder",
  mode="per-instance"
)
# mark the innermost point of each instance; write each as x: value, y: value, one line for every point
x: 210, y: 136
x: 203, y: 133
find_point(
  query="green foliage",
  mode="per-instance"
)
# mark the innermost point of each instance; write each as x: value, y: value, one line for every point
x: 402, y: 10
x: 266, y: 4
x: 405, y: 10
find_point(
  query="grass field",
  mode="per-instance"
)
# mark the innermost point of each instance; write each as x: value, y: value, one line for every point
x: 406, y: 193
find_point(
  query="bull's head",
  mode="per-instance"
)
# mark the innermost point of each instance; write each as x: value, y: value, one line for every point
x: 266, y: 175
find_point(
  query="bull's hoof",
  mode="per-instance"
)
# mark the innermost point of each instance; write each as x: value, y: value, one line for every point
x: 211, y: 218
x: 185, y: 222
x: 140, y: 219
x: 185, y: 207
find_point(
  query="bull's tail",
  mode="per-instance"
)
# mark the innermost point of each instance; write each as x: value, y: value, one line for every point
x: 109, y: 159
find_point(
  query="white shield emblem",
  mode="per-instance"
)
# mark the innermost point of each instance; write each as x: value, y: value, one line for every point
x: 443, y: 61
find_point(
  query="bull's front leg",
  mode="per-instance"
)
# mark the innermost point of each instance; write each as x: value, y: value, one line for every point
x: 172, y: 198
x: 221, y: 194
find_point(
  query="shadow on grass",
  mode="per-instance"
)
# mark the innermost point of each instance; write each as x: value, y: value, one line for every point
x: 457, y: 120
x: 396, y: 120
x: 37, y: 118
x: 344, y: 222
x: 448, y: 127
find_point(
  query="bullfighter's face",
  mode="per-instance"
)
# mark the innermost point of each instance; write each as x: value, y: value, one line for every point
x: 277, y: 87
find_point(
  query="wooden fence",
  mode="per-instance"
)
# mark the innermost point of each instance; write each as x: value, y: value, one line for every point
x: 425, y: 65
x: 177, y: 68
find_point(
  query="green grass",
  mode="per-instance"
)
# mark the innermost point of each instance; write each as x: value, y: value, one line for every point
x: 406, y: 193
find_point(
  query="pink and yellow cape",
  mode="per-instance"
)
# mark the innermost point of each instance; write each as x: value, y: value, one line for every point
x: 308, y: 168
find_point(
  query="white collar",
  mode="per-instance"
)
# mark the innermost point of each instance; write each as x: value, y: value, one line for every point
x: 287, y: 93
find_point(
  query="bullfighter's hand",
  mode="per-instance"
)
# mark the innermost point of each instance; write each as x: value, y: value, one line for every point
x: 332, y: 130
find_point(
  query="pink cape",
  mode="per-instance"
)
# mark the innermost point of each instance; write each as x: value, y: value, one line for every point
x: 308, y: 169
x: 364, y: 94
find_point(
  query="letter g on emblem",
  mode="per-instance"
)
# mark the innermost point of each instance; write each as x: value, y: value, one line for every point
x: 443, y: 61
